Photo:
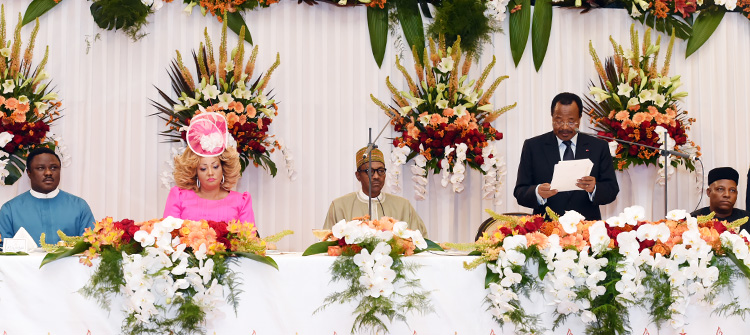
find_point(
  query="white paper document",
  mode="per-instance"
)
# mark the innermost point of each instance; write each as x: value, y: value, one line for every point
x: 567, y: 173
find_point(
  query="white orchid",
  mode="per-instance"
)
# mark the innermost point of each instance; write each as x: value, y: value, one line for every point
x: 633, y: 214
x: 570, y: 220
x: 677, y: 214
x: 5, y: 138
x: 144, y: 238
x: 598, y: 237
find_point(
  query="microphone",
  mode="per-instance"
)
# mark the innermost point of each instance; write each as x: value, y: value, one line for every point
x: 663, y: 151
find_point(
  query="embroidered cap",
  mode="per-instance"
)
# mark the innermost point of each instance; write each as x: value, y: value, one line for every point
x: 361, y: 158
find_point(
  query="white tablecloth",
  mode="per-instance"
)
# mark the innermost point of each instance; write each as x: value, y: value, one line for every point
x: 44, y: 301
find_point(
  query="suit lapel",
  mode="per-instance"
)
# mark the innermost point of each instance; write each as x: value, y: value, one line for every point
x: 583, y: 147
x: 552, y: 150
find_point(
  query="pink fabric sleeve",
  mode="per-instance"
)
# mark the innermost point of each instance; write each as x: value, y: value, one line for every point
x: 174, y: 203
x: 246, y: 209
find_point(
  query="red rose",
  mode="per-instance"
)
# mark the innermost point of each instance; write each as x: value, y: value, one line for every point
x: 220, y: 228
x: 351, y: 250
x: 646, y: 244
x: 128, y: 228
x: 719, y: 226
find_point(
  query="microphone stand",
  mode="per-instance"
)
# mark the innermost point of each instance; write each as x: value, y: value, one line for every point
x: 662, y: 151
x: 371, y: 145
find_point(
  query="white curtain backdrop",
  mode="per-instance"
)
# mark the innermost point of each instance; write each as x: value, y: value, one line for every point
x: 326, y: 75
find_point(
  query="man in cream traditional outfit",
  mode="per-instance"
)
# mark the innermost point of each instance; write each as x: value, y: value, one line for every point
x: 45, y: 208
x: 355, y: 204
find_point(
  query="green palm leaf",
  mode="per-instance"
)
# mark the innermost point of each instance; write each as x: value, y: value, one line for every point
x: 377, y: 24
x: 520, y: 24
x: 408, y: 14
x: 540, y: 30
x: 36, y: 9
x: 704, y: 26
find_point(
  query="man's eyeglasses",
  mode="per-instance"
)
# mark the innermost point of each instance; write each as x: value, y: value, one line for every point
x: 380, y: 171
x: 569, y: 124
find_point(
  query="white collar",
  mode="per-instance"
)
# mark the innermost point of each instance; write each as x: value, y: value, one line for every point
x: 49, y: 195
x: 573, y: 140
x: 364, y: 198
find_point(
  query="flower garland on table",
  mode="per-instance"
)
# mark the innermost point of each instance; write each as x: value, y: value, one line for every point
x: 596, y: 270
x: 370, y: 261
x: 636, y: 102
x: 27, y: 104
x: 227, y: 87
x: 444, y: 121
x: 171, y: 271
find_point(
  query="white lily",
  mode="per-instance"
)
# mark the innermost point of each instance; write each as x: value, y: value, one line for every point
x: 446, y: 65
x: 442, y: 104
x: 624, y: 89
x: 224, y: 100
x: 210, y: 92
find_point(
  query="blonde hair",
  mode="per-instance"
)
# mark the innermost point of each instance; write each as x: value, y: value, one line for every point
x: 186, y: 169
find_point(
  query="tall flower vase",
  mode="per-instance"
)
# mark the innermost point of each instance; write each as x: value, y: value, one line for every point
x: 642, y: 183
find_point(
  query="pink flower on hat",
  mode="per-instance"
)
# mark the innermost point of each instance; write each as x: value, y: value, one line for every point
x: 207, y: 135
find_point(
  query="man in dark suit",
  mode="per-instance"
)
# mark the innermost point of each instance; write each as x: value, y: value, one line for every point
x: 541, y: 153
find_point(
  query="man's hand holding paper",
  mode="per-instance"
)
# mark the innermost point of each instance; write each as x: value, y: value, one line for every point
x: 573, y: 175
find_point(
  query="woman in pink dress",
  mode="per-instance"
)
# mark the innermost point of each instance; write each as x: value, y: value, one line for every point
x: 205, y: 174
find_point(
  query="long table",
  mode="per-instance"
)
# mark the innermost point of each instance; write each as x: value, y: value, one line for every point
x: 45, y: 301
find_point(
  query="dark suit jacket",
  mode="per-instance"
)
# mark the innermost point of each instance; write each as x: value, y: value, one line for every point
x: 538, y: 159
x: 747, y: 196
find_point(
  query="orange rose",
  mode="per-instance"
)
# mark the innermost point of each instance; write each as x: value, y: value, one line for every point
x: 334, y: 250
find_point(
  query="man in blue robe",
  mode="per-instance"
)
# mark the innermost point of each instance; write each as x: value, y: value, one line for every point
x: 45, y: 208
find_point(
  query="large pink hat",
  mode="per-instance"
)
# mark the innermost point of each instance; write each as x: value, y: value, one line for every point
x: 207, y: 134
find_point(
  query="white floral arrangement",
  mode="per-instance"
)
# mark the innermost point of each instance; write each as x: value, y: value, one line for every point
x: 597, y: 270
x: 370, y: 261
